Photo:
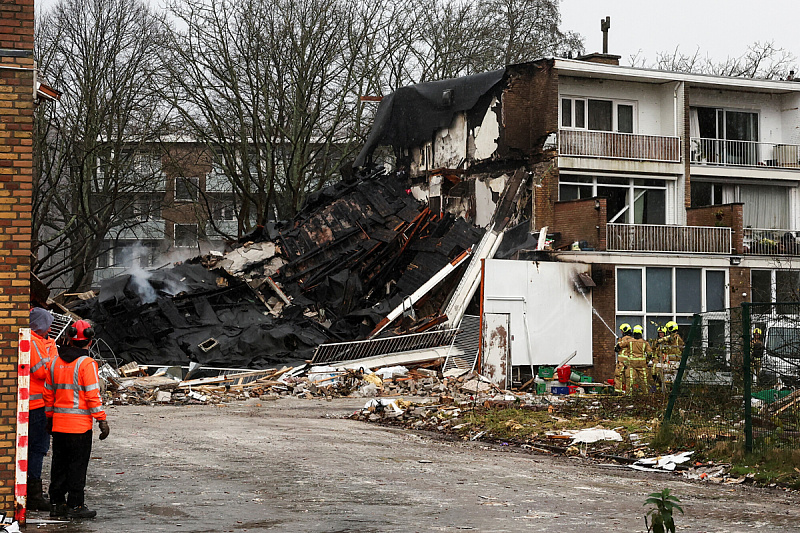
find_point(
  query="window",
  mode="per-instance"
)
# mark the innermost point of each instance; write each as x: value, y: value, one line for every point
x: 223, y: 211
x: 704, y: 194
x: 185, y: 235
x: 629, y: 200
x: 186, y: 188
x: 765, y: 206
x: 598, y: 115
x: 724, y: 136
x: 775, y: 285
x: 652, y: 296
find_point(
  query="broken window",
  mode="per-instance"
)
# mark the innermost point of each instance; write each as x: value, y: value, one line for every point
x: 186, y: 189
x: 185, y: 235
x: 628, y: 200
x: 668, y: 294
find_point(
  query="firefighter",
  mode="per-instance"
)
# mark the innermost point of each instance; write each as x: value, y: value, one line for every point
x: 621, y: 367
x: 659, y: 347
x: 673, y: 345
x: 757, y: 351
x: 43, y: 350
x: 72, y: 401
x: 639, y: 350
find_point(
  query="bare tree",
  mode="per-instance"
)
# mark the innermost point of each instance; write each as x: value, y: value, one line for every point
x: 101, y: 54
x: 763, y: 60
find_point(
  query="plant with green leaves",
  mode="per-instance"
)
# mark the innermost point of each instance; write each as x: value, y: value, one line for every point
x: 661, y: 514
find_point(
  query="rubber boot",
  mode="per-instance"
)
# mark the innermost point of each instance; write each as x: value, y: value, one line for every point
x: 36, y: 499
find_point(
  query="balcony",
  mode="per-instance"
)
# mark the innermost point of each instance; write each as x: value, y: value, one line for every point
x: 626, y: 146
x: 772, y: 242
x: 720, y: 152
x: 668, y: 239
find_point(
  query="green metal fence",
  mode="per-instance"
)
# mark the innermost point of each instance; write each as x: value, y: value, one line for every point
x: 738, y: 378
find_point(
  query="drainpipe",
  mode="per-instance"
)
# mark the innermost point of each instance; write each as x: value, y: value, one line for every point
x: 675, y: 106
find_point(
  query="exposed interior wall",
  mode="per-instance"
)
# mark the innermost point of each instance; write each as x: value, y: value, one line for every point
x: 487, y: 193
x: 16, y: 186
x: 486, y: 136
x: 450, y: 144
x: 529, y: 109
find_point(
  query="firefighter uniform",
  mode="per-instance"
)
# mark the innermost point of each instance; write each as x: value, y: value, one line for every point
x: 621, y: 367
x: 72, y: 402
x: 638, y: 352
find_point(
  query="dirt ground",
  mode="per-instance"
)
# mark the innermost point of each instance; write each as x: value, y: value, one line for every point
x: 295, y: 465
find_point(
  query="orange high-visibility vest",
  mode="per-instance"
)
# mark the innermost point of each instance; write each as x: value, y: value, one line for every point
x: 42, y: 352
x: 72, y: 395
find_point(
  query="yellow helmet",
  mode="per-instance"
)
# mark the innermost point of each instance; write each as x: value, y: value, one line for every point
x: 663, y: 329
x: 625, y: 328
x: 756, y: 331
x: 672, y: 326
x: 638, y: 329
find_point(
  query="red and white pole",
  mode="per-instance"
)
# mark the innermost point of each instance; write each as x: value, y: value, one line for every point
x: 23, y: 398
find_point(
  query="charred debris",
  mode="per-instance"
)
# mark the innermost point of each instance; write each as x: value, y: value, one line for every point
x: 349, y: 257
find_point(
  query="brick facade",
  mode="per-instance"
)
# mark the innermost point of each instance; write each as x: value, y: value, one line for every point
x: 726, y: 216
x: 603, y: 341
x: 581, y: 220
x: 16, y: 165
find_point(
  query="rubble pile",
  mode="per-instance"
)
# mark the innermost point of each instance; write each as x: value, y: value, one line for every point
x: 354, y: 252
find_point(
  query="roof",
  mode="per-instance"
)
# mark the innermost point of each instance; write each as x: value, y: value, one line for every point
x: 411, y: 115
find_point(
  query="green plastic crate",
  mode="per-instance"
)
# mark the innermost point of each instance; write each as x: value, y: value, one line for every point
x: 541, y: 388
x: 586, y: 379
x: 546, y: 372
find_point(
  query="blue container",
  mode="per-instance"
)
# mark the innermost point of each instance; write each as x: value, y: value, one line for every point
x: 560, y: 390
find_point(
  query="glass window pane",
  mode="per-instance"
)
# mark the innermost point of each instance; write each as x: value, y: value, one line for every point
x: 568, y: 192
x: 715, y: 290
x: 762, y: 282
x: 787, y: 288
x: 600, y: 115
x: 617, y: 201
x: 629, y: 289
x: 659, y: 290
x: 701, y: 194
x: 580, y: 114
x: 574, y: 178
x: 687, y: 290
x: 625, y: 118
x: 649, y: 206
x: 566, y: 112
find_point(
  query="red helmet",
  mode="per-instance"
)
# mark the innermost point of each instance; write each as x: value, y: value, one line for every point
x: 80, y: 331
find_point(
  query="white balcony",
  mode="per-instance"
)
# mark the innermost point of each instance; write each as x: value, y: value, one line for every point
x: 759, y: 241
x: 668, y: 239
x: 720, y: 152
x: 627, y: 146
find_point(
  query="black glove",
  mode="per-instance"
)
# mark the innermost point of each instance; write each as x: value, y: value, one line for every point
x: 104, y: 429
x: 50, y: 425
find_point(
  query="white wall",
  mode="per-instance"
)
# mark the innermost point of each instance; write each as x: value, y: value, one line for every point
x: 790, y: 118
x: 654, y: 101
x: 450, y: 144
x: 549, y: 318
x: 487, y: 134
x: 484, y: 204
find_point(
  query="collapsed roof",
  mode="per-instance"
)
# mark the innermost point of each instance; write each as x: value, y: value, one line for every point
x: 334, y: 272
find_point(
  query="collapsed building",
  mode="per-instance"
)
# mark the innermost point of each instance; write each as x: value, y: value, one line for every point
x: 578, y: 194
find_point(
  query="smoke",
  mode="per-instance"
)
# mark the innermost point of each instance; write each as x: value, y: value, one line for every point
x: 132, y: 258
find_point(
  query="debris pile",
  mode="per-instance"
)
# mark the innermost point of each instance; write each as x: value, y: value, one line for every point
x: 354, y: 252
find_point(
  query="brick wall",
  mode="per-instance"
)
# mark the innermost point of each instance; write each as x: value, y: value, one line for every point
x: 739, y: 286
x: 727, y: 216
x: 530, y: 109
x: 16, y: 163
x: 578, y: 220
x: 603, y: 300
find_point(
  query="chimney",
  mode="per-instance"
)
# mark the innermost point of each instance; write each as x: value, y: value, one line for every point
x: 605, y: 57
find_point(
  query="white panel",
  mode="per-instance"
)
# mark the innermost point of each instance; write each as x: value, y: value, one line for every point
x: 549, y: 318
x: 495, y: 348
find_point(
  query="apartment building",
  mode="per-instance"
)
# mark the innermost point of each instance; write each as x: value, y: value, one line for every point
x: 671, y: 193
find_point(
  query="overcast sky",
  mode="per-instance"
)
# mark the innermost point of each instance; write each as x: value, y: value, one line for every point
x: 721, y: 28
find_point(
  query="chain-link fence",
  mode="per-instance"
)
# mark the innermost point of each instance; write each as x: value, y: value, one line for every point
x: 737, y: 379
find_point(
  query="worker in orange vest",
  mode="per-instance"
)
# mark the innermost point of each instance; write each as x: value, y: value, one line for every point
x: 72, y: 400
x: 43, y: 350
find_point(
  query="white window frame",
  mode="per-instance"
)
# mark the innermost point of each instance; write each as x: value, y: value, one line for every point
x: 680, y: 318
x: 631, y: 186
x: 614, y: 113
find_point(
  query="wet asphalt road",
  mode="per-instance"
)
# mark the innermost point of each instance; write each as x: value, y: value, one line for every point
x: 294, y: 465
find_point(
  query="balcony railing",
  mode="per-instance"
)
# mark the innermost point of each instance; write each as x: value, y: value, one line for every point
x: 721, y: 152
x: 759, y: 241
x: 676, y: 239
x: 607, y: 145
